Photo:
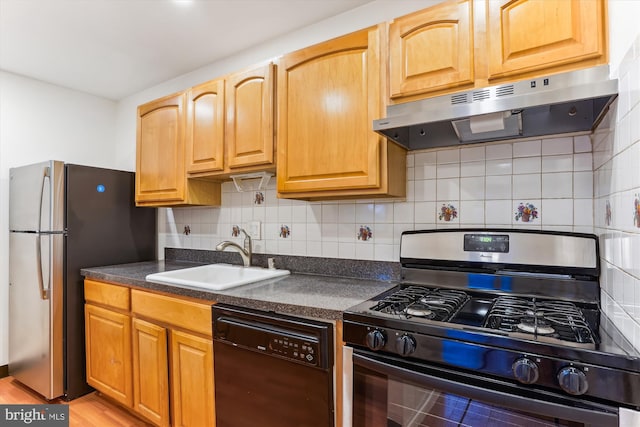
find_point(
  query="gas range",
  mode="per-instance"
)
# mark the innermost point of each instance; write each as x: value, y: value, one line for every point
x: 516, y: 305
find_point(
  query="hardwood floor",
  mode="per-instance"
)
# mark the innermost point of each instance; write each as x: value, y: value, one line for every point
x: 91, y: 410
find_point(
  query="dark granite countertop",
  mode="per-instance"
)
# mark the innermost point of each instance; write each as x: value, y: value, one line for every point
x: 302, y: 294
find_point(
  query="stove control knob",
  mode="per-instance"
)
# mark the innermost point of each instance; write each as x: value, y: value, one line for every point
x: 405, y: 345
x: 573, y: 380
x: 525, y: 370
x: 376, y: 339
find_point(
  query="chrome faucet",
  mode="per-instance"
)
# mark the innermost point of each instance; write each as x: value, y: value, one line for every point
x: 245, y: 252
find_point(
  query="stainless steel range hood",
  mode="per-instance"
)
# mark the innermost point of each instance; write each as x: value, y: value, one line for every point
x: 560, y: 103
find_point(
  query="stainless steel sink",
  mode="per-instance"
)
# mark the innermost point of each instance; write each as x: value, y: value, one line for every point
x: 215, y: 277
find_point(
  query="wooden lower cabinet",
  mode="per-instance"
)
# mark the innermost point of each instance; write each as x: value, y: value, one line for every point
x: 192, y: 380
x: 152, y: 353
x: 108, y: 346
x: 150, y: 372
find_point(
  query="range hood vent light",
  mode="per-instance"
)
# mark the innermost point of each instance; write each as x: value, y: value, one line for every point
x: 489, y: 126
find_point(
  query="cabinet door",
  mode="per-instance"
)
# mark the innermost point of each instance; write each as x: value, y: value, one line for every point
x: 108, y: 345
x: 431, y: 49
x: 192, y: 380
x: 328, y: 96
x: 525, y: 36
x: 150, y: 372
x: 205, y: 127
x: 160, y: 163
x: 250, y: 119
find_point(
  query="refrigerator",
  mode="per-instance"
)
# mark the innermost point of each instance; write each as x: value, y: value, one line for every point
x: 64, y: 217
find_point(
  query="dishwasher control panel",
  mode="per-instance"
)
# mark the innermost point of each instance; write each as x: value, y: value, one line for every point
x: 294, y: 348
x: 304, y: 341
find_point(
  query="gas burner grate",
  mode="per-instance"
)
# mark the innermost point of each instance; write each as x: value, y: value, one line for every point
x: 557, y: 319
x: 422, y: 302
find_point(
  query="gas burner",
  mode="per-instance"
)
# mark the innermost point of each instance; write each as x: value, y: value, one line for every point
x: 422, y: 302
x: 535, y: 325
x: 558, y: 320
x: 420, y: 310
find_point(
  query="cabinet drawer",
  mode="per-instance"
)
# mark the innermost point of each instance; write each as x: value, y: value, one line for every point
x: 189, y: 315
x: 107, y: 294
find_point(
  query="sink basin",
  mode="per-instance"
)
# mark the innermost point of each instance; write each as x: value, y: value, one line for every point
x: 215, y: 277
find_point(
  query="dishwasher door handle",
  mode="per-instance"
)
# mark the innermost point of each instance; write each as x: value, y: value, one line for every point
x: 231, y: 322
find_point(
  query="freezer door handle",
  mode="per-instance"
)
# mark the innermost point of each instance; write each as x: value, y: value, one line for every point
x: 44, y: 292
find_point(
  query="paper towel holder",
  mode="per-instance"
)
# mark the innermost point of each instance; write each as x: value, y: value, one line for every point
x: 255, y: 181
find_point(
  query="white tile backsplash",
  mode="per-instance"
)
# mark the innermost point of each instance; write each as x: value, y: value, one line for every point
x: 498, y: 212
x: 582, y: 144
x: 527, y: 149
x: 472, y: 188
x: 557, y: 185
x: 553, y: 146
x: 476, y: 168
x: 527, y: 186
x: 562, y: 163
x: 448, y: 189
x: 583, y: 185
x: 499, y: 167
x: 448, y: 156
x: 499, y: 151
x: 616, y: 156
x: 525, y: 165
x: 583, y: 162
x: 472, y: 154
x: 498, y: 187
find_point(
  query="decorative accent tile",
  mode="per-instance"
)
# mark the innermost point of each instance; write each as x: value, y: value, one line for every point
x: 448, y: 212
x: 607, y: 213
x: 526, y: 212
x: 365, y: 233
x: 235, y: 231
x: 285, y: 231
x: 636, y: 210
x: 258, y: 198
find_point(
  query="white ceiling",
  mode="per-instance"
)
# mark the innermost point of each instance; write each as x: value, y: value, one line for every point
x: 114, y: 48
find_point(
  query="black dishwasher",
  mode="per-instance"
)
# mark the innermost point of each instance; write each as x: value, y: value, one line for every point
x: 271, y: 370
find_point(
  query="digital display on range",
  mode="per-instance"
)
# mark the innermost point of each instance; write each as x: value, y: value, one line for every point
x: 486, y: 243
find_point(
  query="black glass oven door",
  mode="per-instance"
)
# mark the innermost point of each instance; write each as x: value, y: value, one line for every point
x: 388, y: 392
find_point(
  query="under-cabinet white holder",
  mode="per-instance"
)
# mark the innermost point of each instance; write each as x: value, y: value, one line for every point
x: 256, y: 181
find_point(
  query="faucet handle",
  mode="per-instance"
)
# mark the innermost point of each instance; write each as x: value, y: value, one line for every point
x: 247, y: 242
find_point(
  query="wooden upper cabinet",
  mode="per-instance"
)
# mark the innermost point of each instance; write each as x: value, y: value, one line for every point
x: 465, y: 44
x: 160, y: 172
x: 205, y: 127
x: 328, y: 96
x: 250, y: 117
x: 161, y: 177
x: 525, y: 37
x: 432, y: 49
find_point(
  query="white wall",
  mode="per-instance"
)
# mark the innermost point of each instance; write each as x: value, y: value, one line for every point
x: 38, y: 122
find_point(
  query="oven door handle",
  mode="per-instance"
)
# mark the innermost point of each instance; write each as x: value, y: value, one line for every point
x: 525, y: 404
